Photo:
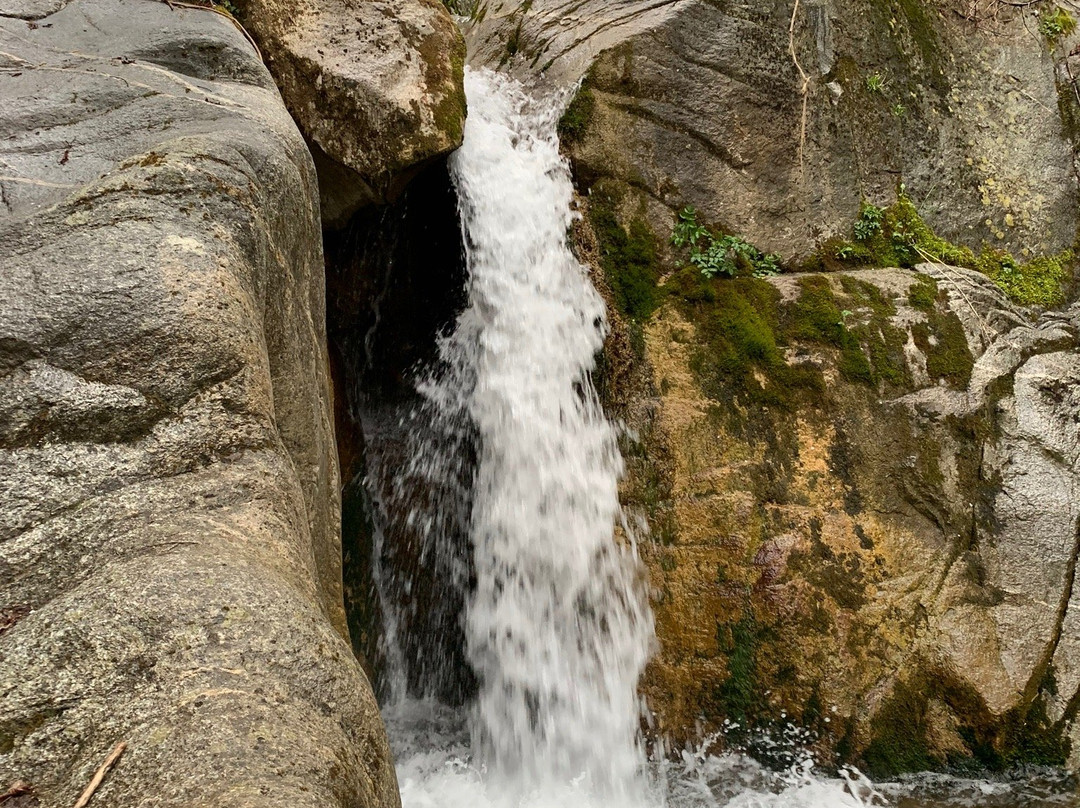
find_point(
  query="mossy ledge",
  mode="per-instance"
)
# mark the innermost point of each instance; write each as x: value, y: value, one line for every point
x: 897, y: 236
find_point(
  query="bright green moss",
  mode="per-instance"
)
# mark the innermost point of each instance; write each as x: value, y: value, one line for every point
x: 575, y: 120
x: 944, y: 343
x: 882, y: 341
x: 1056, y: 24
x: 1038, y: 282
x: 744, y: 328
x: 896, y: 236
x: 940, y: 337
x: 817, y: 317
x: 628, y: 257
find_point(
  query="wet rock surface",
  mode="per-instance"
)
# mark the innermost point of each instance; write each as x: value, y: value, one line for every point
x: 874, y: 535
x: 170, y: 560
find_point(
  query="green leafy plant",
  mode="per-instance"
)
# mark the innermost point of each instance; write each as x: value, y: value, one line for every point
x: 687, y: 230
x: 899, y: 111
x: 768, y: 265
x: 715, y: 254
x: 875, y: 83
x: 868, y: 224
x: 1057, y: 23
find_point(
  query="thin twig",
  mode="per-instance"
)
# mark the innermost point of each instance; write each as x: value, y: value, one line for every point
x: 948, y: 270
x: 99, y: 775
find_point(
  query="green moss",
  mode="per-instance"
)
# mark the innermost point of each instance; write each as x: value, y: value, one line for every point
x: 1033, y: 739
x: 575, y: 120
x: 924, y: 32
x: 1030, y: 737
x: 899, y: 735
x: 627, y: 256
x: 923, y: 293
x: 737, y: 357
x: 1056, y: 24
x: 744, y: 327
x: 739, y: 695
x: 940, y: 336
x: 944, y: 343
x: 449, y: 113
x: 898, y: 236
x: 1038, y: 282
x: 871, y: 347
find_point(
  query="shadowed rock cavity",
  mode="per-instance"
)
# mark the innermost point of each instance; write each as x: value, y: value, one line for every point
x: 396, y: 282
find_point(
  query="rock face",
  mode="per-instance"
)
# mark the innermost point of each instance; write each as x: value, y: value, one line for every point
x: 708, y: 109
x: 170, y: 562
x: 376, y: 88
x: 862, y: 490
x: 861, y: 487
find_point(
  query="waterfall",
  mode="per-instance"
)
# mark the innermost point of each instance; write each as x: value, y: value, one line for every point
x: 557, y: 623
x: 558, y: 627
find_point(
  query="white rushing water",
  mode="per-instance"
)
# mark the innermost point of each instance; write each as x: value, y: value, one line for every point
x: 558, y: 626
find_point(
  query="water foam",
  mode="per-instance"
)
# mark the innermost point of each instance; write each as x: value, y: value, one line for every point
x: 558, y: 627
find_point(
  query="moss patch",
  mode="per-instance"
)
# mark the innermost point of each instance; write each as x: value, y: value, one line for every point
x: 899, y: 735
x: 923, y: 294
x: 739, y: 696
x: 628, y: 256
x: 1038, y: 282
x: 1055, y: 24
x: 738, y: 357
x: 744, y: 329
x: 941, y: 336
x: 575, y: 120
x: 897, y: 236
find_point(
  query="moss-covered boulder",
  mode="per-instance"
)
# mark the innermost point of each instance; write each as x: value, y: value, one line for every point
x: 860, y: 483
x: 861, y: 493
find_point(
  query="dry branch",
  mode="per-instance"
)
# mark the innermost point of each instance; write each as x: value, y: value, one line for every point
x: 99, y: 775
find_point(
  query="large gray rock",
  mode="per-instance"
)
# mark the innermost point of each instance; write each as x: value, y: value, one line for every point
x: 863, y: 490
x: 707, y: 107
x: 170, y: 564
x: 375, y: 86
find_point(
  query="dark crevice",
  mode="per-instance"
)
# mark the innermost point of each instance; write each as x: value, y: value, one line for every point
x: 395, y: 284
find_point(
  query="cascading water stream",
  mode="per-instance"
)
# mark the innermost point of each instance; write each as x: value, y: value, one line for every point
x: 558, y: 627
